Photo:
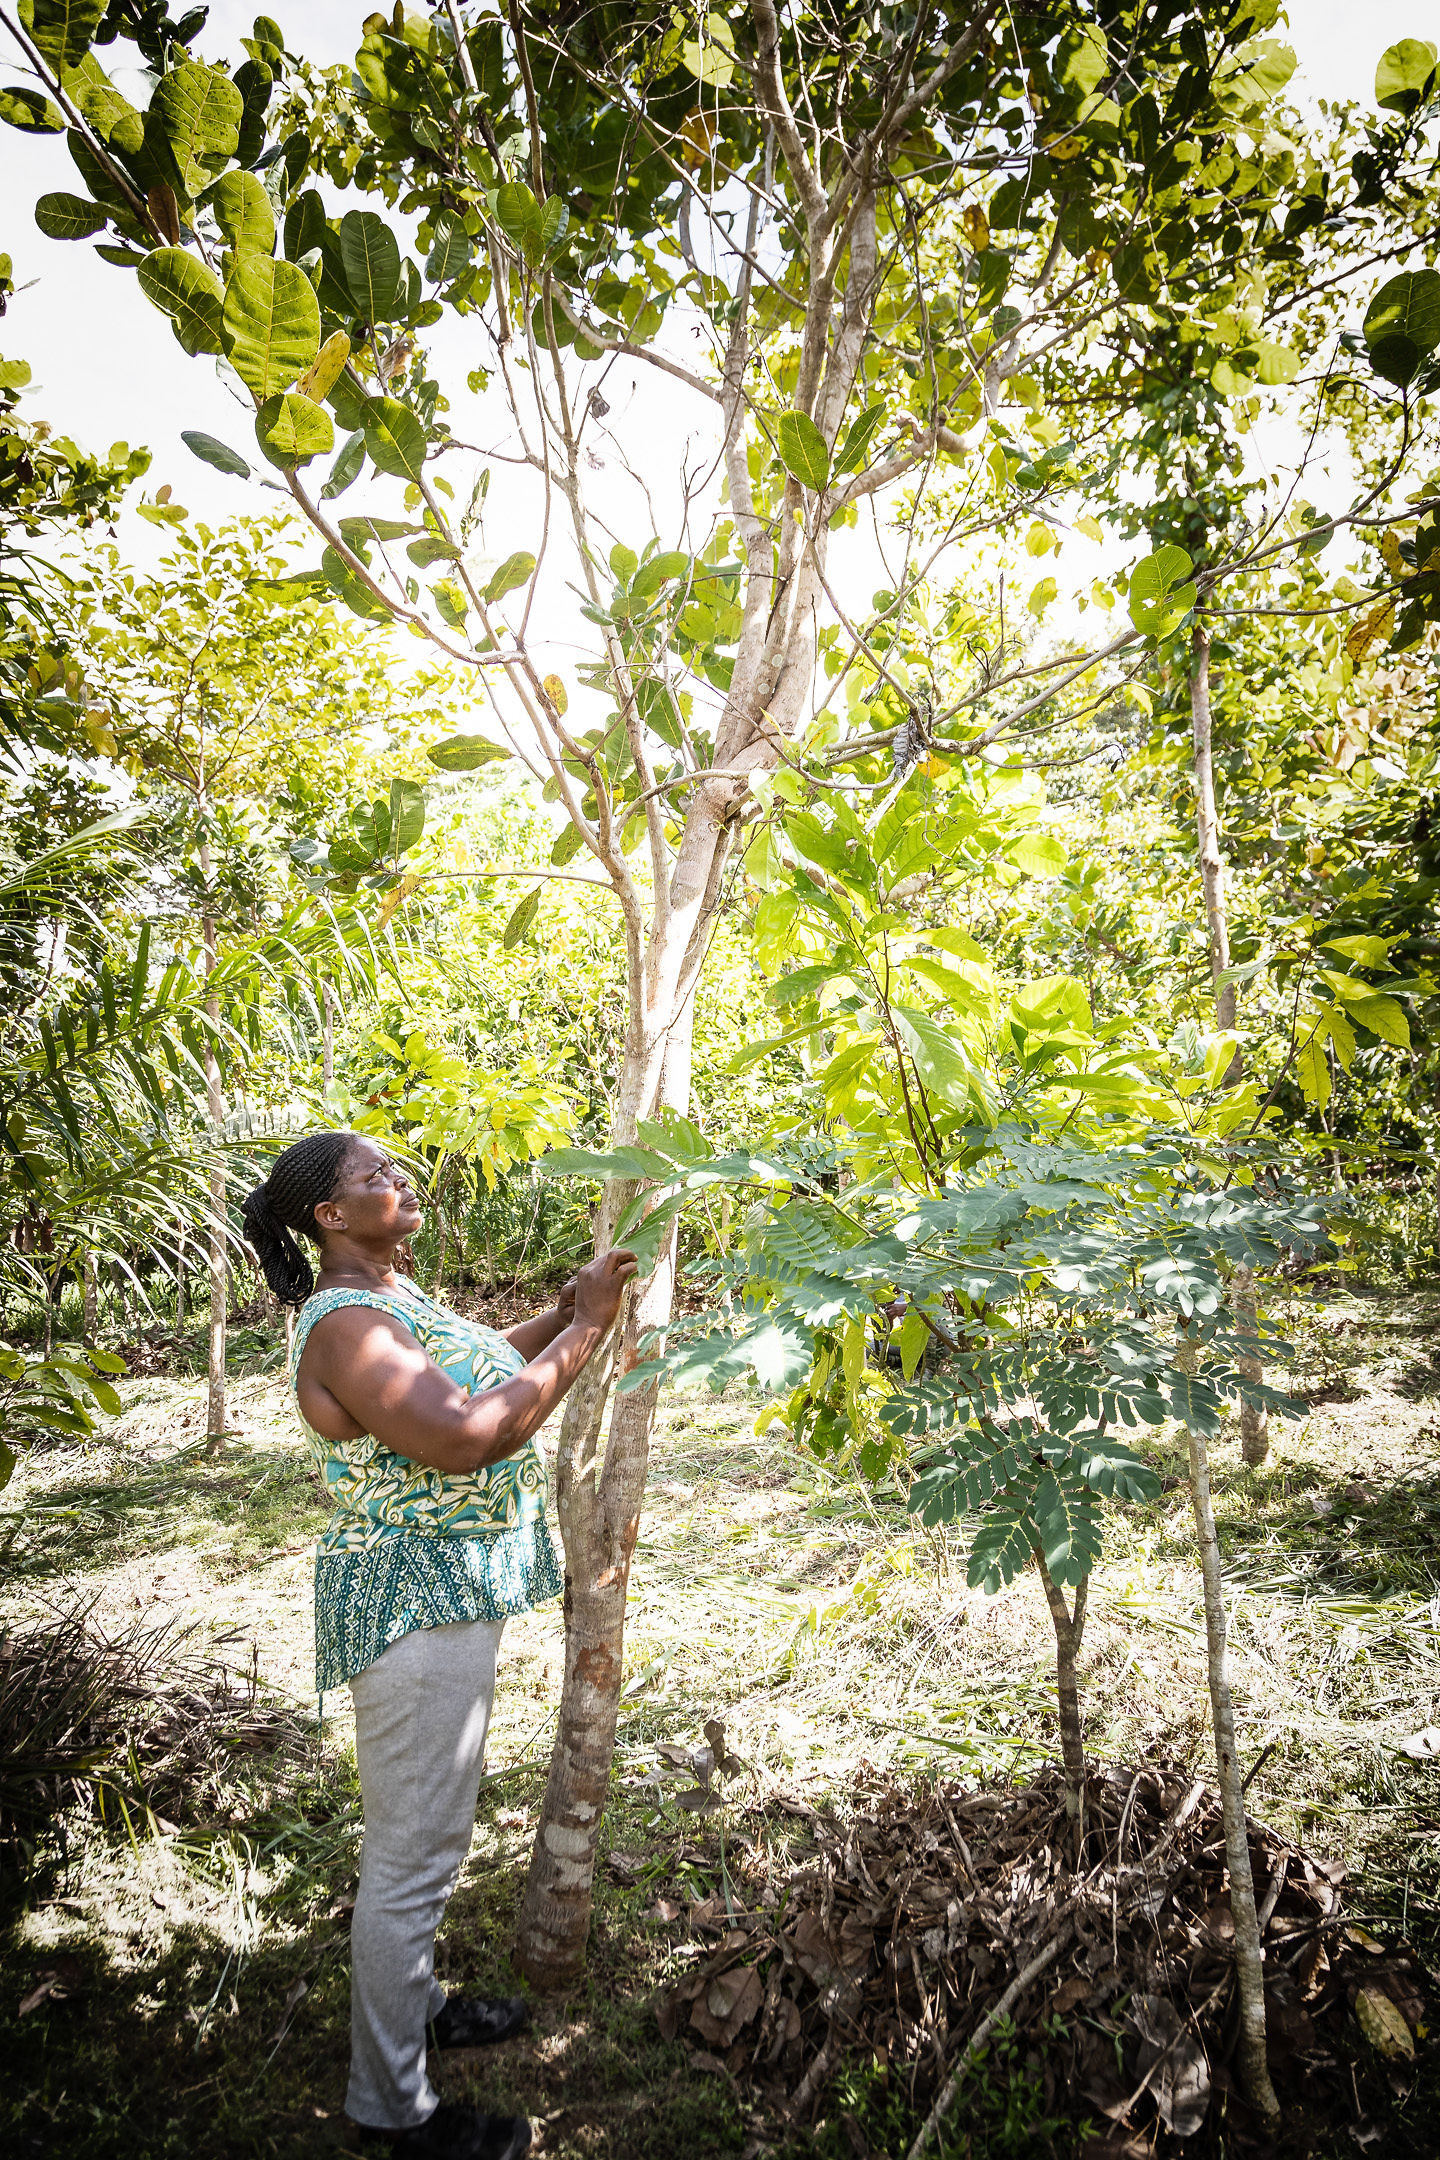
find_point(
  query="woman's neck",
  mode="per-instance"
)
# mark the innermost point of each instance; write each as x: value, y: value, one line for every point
x: 347, y: 1265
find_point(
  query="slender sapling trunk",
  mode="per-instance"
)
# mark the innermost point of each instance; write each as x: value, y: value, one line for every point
x: 1069, y: 1631
x: 1249, y: 1955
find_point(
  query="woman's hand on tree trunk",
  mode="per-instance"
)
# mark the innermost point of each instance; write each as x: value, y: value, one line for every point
x: 599, y: 1287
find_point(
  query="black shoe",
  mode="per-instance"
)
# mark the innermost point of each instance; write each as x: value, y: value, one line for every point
x: 474, y: 2021
x: 456, y: 2133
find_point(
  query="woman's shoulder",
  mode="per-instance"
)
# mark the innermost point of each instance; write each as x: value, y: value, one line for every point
x: 322, y: 1303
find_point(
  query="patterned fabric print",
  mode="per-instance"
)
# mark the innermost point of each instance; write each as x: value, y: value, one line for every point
x: 412, y: 1547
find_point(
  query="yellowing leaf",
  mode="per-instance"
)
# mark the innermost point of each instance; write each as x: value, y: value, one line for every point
x: 320, y: 379
x: 1091, y: 527
x: 1370, y: 628
x: 976, y: 228
x: 1383, y: 2023
x: 558, y: 695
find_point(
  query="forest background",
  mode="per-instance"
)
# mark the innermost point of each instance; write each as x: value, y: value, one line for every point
x: 980, y: 731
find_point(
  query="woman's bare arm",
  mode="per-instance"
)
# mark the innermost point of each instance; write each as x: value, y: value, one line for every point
x: 373, y: 1371
x: 530, y: 1337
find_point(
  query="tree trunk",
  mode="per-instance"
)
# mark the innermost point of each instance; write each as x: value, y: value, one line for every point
x: 1069, y: 1630
x: 1207, y: 827
x: 180, y: 1286
x: 327, y: 1034
x: 219, y: 1252
x: 90, y: 1277
x: 1249, y: 1956
x: 1254, y: 1425
x: 599, y: 1522
x: 1254, y: 1422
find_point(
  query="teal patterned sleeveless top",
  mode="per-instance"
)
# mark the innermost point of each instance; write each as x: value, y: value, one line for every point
x: 410, y: 1547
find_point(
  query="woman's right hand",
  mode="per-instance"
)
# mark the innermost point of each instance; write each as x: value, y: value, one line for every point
x: 599, y: 1287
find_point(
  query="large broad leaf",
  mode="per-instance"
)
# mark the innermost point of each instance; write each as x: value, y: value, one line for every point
x: 449, y: 250
x: 69, y: 217
x: 112, y: 116
x: 30, y: 111
x: 348, y: 587
x: 199, y: 110
x: 516, y: 570
x: 659, y: 571
x: 62, y: 30
x: 521, y: 920
x: 243, y: 213
x: 466, y: 753
x: 212, y: 452
x: 1402, y: 324
x: 802, y: 450
x: 393, y: 437
x: 939, y: 1059
x: 1405, y: 75
x: 271, y: 323
x: 854, y: 450
x: 292, y: 429
x: 371, y: 256
x: 329, y: 365
x: 189, y: 294
x: 1161, y: 595
x: 346, y: 469
x: 407, y: 814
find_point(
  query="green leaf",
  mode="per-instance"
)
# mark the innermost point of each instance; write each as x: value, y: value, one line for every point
x: 199, y: 111
x: 212, y: 452
x: 62, y: 30
x: 1371, y: 952
x: 449, y: 250
x: 407, y: 814
x: 69, y: 217
x: 430, y: 548
x: 659, y: 571
x: 371, y: 256
x: 802, y: 450
x: 30, y: 111
x: 243, y: 213
x: 466, y: 753
x: 271, y: 323
x: 1082, y: 59
x: 1407, y: 306
x: 451, y: 601
x: 522, y: 916
x: 292, y: 429
x: 1312, y: 1067
x: 516, y: 570
x: 188, y: 293
x: 112, y: 116
x: 515, y: 209
x: 348, y: 587
x: 1160, y: 597
x: 1405, y: 75
x: 1384, y: 1016
x: 940, y: 1060
x: 393, y: 437
x: 346, y: 469
x: 855, y: 449
x: 1038, y: 855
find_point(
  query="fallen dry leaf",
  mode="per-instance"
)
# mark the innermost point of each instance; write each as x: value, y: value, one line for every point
x: 1383, y: 2024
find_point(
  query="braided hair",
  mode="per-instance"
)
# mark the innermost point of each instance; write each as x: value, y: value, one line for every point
x: 300, y: 1178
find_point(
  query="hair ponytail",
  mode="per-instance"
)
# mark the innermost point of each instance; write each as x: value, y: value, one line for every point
x: 300, y: 1179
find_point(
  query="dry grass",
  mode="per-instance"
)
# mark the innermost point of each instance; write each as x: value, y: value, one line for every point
x: 829, y: 1631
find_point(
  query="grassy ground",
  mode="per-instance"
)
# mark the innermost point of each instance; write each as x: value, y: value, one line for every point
x: 196, y: 1973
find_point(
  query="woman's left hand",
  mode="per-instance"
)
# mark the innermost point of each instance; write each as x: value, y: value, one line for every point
x: 565, y: 1302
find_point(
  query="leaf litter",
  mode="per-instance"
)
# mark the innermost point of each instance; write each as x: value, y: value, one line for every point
x: 898, y: 1942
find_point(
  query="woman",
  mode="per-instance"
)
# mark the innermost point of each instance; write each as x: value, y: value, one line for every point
x: 424, y: 1424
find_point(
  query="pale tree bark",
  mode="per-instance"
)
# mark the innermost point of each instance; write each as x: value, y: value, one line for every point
x: 90, y: 1293
x: 1254, y: 1424
x: 218, y: 1251
x: 1249, y: 1954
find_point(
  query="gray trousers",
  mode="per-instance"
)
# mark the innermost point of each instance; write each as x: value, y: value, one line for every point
x: 421, y: 1714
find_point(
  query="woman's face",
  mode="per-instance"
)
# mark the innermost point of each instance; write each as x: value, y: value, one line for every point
x: 373, y: 1199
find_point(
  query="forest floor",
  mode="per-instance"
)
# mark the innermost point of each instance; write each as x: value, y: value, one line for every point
x: 179, y: 1984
